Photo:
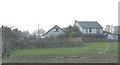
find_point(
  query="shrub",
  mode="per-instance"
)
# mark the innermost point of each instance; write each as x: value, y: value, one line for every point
x: 74, y: 34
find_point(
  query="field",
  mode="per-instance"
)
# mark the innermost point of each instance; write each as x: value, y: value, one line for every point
x: 89, y: 53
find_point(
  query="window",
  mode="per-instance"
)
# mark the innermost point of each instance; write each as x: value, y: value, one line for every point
x: 86, y: 30
x: 90, y: 30
x: 56, y: 30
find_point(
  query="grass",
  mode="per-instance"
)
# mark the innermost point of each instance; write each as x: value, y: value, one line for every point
x: 88, y: 48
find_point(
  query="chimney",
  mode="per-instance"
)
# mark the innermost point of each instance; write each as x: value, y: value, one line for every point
x: 75, y: 23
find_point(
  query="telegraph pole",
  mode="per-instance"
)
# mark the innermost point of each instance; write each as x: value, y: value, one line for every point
x: 1, y: 43
x: 38, y: 30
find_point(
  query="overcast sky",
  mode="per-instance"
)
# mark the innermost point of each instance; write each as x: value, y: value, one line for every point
x: 27, y: 14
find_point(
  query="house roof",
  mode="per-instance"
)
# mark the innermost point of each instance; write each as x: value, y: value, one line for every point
x: 53, y: 28
x: 89, y: 24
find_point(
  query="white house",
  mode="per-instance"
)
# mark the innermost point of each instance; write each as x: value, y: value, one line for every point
x: 89, y: 27
x: 54, y: 32
x: 112, y: 36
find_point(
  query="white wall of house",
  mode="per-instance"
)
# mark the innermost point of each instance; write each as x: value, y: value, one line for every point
x: 54, y: 33
x: 92, y: 31
x: 83, y: 30
x: 79, y: 27
x: 101, y: 30
x: 110, y: 36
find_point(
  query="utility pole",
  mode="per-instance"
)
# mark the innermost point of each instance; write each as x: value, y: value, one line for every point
x: 1, y: 43
x: 38, y: 30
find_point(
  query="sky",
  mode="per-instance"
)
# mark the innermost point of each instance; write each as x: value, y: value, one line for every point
x: 27, y: 14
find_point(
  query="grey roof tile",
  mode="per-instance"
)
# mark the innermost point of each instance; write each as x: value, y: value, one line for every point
x: 89, y: 24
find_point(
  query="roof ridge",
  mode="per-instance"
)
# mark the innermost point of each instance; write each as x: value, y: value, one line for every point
x: 52, y: 28
x: 86, y: 21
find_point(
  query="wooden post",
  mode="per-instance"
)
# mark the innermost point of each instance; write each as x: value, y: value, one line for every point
x: 18, y: 47
x: 111, y: 46
x: 63, y: 46
x: 41, y: 46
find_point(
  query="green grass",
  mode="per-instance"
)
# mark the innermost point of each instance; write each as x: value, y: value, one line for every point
x: 89, y: 48
x: 89, y: 53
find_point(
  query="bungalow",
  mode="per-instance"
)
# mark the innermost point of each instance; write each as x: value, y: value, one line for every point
x: 89, y: 27
x: 54, y: 32
x: 112, y: 36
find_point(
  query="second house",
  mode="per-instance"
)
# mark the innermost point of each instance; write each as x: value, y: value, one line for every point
x: 54, y: 32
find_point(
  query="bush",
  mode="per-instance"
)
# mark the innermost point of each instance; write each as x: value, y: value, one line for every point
x: 62, y: 36
x: 74, y: 34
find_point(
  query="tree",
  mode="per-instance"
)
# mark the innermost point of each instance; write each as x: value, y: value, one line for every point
x: 41, y: 31
x: 25, y: 33
x: 73, y: 31
x: 109, y: 28
x: 11, y: 38
x: 74, y: 34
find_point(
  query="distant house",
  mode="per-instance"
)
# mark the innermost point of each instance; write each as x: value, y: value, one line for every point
x: 115, y: 34
x: 89, y: 27
x: 112, y: 36
x: 54, y: 32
